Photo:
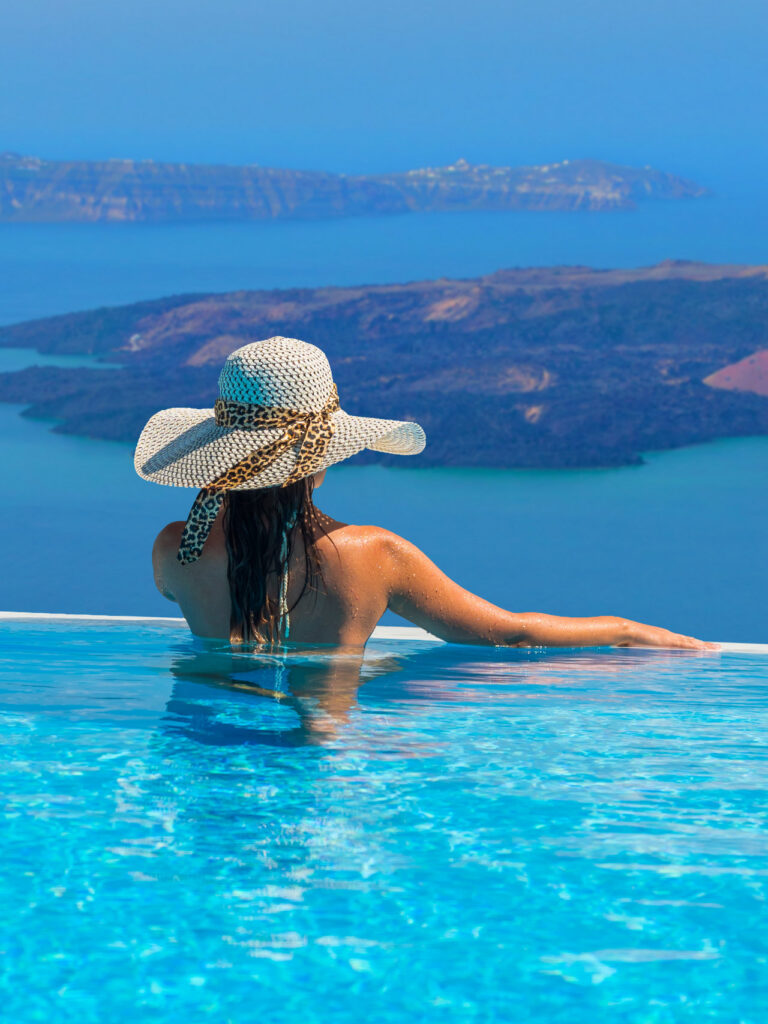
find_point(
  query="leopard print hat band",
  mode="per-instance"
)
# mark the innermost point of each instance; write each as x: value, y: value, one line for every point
x: 311, y: 431
x: 277, y: 420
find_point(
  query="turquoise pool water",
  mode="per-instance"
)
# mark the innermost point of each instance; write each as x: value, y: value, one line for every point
x: 433, y: 833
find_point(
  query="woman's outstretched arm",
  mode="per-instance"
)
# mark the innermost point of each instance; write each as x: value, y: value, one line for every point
x: 424, y: 595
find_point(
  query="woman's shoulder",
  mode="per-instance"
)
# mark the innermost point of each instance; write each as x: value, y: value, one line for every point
x: 168, y: 539
x: 164, y: 558
x: 371, y: 549
x: 363, y: 536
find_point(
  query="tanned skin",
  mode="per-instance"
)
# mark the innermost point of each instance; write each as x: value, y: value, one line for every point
x: 367, y: 570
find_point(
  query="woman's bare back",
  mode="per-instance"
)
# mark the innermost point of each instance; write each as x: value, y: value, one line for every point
x: 344, y: 610
x: 367, y: 570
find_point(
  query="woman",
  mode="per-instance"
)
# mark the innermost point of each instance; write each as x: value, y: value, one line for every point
x: 258, y: 562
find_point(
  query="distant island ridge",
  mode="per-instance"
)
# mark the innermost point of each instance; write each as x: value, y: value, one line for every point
x: 35, y: 190
x: 540, y: 367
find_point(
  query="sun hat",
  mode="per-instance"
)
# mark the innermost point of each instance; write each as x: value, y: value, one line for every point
x: 276, y: 421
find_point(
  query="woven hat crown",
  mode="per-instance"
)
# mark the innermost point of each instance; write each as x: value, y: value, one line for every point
x: 282, y: 373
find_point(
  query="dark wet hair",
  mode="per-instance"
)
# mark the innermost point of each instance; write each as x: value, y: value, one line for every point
x: 260, y: 528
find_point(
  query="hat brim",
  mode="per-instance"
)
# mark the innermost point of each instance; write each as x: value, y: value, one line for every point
x: 185, y: 447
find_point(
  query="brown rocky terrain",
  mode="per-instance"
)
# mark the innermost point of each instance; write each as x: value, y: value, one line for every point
x: 32, y: 189
x: 750, y: 374
x: 559, y: 366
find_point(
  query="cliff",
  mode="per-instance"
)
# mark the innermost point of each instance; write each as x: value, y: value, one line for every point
x: 32, y: 189
x: 560, y: 366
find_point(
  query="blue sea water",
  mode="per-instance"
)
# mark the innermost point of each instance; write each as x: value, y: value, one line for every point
x: 57, y: 268
x: 438, y: 833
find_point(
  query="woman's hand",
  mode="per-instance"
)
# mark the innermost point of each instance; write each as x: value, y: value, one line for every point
x: 641, y: 635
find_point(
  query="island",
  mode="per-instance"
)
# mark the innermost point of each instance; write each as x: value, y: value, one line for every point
x: 46, y: 191
x: 528, y: 367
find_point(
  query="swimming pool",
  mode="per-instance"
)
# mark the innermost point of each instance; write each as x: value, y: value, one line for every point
x: 437, y: 833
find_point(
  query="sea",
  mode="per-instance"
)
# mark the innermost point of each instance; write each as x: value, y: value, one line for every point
x: 679, y: 541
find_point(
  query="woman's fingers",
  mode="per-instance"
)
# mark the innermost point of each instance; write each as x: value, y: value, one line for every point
x: 700, y: 645
x: 655, y: 637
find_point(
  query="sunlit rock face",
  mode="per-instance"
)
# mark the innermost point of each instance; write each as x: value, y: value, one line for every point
x: 750, y: 374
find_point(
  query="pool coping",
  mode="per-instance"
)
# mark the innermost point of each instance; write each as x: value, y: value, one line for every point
x: 379, y: 633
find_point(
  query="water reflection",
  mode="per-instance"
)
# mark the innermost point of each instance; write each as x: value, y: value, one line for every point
x: 306, y: 696
x: 319, y: 685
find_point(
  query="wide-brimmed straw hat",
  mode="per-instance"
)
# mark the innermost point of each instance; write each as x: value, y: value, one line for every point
x: 277, y: 420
